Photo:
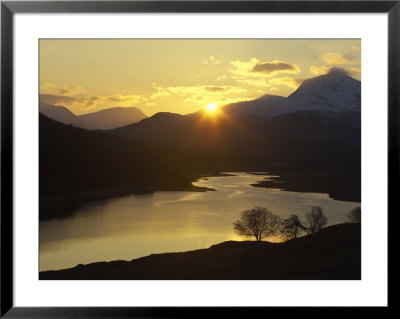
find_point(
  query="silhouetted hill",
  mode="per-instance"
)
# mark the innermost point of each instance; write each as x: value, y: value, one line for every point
x: 111, y: 118
x: 307, y: 139
x: 333, y: 253
x: 58, y: 113
x: 75, y: 163
x: 101, y: 120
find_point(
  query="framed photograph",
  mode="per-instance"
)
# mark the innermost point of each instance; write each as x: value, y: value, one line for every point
x: 164, y: 155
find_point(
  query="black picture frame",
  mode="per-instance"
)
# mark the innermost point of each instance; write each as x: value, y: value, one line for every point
x: 9, y: 8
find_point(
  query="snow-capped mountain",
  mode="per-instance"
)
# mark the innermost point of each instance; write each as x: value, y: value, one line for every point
x: 332, y: 92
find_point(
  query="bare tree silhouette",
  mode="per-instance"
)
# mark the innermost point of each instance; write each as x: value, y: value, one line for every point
x: 315, y: 220
x: 354, y: 216
x: 258, y: 222
x: 291, y: 227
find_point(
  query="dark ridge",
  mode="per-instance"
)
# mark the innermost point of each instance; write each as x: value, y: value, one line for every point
x: 76, y: 164
x: 332, y: 254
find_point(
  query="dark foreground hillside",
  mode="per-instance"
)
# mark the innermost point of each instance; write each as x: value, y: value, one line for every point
x: 333, y: 253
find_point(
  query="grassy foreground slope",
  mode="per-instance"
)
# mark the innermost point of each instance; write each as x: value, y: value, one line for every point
x: 333, y: 253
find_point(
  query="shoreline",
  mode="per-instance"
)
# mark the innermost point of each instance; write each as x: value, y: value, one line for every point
x: 337, y: 245
x: 108, y: 193
x: 66, y: 204
x: 293, y: 182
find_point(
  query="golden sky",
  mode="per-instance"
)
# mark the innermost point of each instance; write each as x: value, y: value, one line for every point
x: 183, y: 76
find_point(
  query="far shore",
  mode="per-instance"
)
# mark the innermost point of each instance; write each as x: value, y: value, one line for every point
x: 106, y: 193
x: 64, y: 204
x: 343, y: 187
x: 295, y: 182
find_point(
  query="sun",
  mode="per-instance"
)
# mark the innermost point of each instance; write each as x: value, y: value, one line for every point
x: 212, y: 107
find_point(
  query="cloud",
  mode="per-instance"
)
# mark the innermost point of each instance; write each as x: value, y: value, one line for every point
x: 65, y: 90
x: 91, y: 101
x: 320, y: 46
x: 338, y: 70
x: 336, y: 58
x: 255, y: 68
x: 122, y: 100
x: 222, y: 77
x: 203, y: 89
x: 217, y: 88
x: 273, y: 82
x: 236, y: 100
x: 200, y: 95
x: 222, y: 100
x: 243, y: 68
x: 159, y: 94
x: 61, y: 99
x: 320, y: 70
x: 355, y: 49
x: 98, y: 102
x: 263, y: 74
x: 355, y: 71
x: 261, y: 82
x: 275, y: 67
x: 212, y: 60
x: 287, y: 81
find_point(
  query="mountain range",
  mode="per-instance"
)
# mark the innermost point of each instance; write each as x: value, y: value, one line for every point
x: 319, y: 123
x: 335, y: 92
x: 102, y: 120
x: 315, y: 133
